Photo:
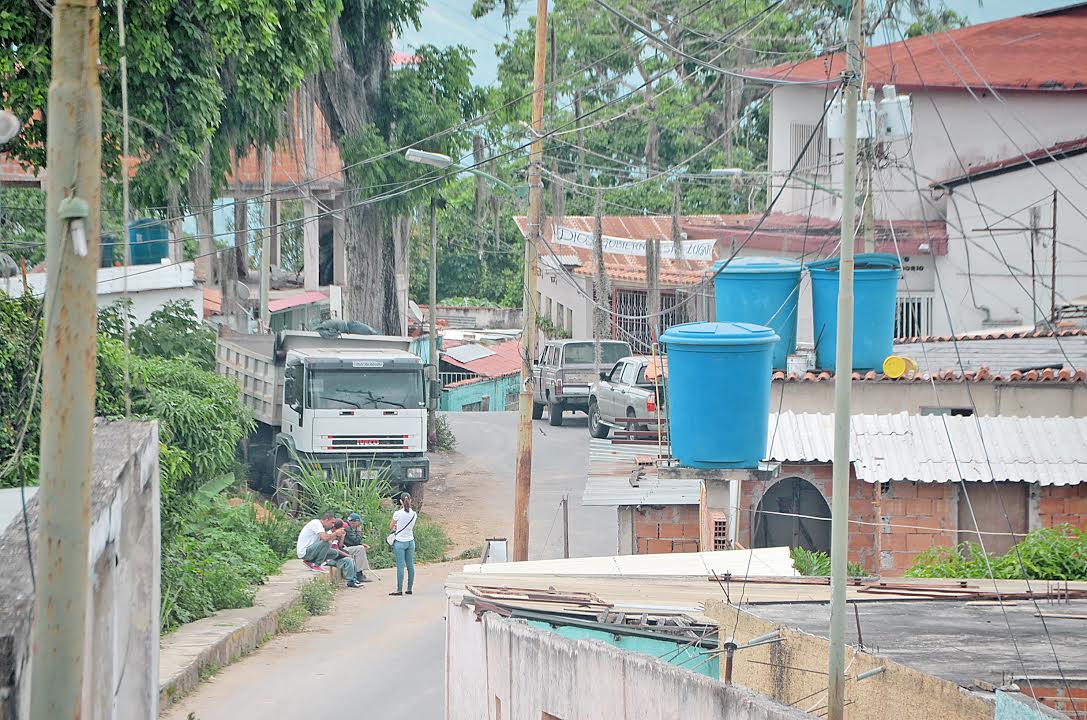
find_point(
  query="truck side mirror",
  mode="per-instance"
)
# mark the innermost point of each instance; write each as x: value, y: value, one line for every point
x: 435, y: 393
x: 603, y: 374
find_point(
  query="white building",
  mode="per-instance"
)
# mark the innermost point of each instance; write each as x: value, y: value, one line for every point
x: 998, y: 129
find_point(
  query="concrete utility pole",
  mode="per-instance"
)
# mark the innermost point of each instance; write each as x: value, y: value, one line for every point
x: 73, y: 181
x: 523, y: 485
x: 432, y: 317
x: 1053, y: 266
x: 266, y: 245
x: 843, y: 375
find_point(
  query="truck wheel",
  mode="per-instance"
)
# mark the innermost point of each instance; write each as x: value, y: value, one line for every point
x: 554, y: 414
x: 417, y: 492
x: 537, y: 410
x: 285, y: 495
x: 596, y: 428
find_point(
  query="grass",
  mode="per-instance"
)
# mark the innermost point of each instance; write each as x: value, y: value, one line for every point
x: 317, y: 596
x: 292, y: 619
x: 817, y: 564
x: 430, y: 544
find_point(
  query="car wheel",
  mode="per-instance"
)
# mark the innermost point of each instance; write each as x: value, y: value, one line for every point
x: 596, y: 428
x: 554, y: 414
x: 537, y: 410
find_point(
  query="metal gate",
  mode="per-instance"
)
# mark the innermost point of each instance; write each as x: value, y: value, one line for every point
x: 629, y: 322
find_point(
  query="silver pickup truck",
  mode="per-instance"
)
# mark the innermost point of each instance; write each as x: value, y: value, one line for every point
x: 624, y: 391
x: 565, y: 372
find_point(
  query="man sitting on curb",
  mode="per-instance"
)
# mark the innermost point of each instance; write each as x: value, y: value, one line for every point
x: 315, y: 549
x: 355, y: 547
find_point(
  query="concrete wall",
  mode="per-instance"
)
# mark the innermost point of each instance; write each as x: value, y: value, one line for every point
x: 557, y: 288
x: 500, y: 669
x: 496, y: 390
x: 121, y: 673
x: 1039, y: 399
x: 480, y: 318
x: 794, y: 671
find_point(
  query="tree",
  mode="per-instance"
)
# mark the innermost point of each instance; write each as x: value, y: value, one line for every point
x: 372, y: 111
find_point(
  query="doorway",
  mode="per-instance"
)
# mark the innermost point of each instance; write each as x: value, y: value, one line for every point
x: 800, y: 522
x: 990, y: 502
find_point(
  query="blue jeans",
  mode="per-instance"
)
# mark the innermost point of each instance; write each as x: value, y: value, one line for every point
x: 405, y: 557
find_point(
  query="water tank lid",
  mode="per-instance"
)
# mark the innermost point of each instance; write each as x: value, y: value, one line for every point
x: 861, y: 261
x: 718, y: 333
x: 756, y: 265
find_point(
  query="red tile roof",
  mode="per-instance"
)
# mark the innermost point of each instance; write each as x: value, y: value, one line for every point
x: 1041, y: 156
x: 947, y: 376
x: 505, y: 361
x: 995, y: 335
x: 1040, y: 52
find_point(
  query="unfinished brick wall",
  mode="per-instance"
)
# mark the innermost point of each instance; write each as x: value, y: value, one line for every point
x: 666, y: 529
x: 1060, y: 504
x: 930, y: 512
x: 1070, y: 699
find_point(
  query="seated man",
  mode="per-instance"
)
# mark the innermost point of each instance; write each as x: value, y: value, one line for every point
x: 314, y: 548
x: 355, y: 547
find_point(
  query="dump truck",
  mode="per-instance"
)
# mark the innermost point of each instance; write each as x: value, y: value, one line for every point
x: 355, y: 402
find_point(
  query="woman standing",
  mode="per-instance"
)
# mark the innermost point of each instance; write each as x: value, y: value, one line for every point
x: 402, y: 527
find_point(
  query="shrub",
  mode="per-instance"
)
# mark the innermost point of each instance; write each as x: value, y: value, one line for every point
x: 317, y: 595
x: 1057, y: 553
x: 430, y: 543
x: 446, y: 441
x: 292, y: 619
x: 817, y: 563
x: 340, y: 490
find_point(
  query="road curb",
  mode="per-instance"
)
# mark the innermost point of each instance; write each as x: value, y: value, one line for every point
x: 216, y: 641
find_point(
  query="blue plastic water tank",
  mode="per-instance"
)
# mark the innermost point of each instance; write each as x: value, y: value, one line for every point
x: 764, y: 291
x: 148, y: 241
x: 719, y: 392
x: 109, y: 246
x: 875, y: 280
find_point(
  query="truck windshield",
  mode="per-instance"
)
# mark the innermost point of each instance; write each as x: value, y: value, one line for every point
x: 355, y: 388
x: 582, y: 353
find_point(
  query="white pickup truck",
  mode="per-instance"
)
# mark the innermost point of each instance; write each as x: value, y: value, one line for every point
x: 626, y: 390
x: 354, y: 401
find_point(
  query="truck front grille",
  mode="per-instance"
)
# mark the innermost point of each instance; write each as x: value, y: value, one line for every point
x: 367, y: 442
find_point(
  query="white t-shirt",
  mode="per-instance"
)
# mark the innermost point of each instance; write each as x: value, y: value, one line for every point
x: 310, y: 534
x: 405, y: 525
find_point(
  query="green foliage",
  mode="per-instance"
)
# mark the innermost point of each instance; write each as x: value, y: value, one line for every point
x: 545, y: 325
x: 292, y: 619
x: 446, y: 439
x: 1058, y: 553
x: 430, y: 542
x: 467, y: 302
x: 22, y: 220
x: 817, y: 564
x: 317, y: 595
x: 216, y: 561
x: 340, y: 490
x: 171, y: 331
x: 21, y: 331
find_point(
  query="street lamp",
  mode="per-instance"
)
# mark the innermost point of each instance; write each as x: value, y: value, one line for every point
x: 441, y: 161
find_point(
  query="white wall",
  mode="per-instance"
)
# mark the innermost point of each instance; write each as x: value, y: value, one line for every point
x: 530, y: 672
x: 982, y: 259
x: 560, y: 288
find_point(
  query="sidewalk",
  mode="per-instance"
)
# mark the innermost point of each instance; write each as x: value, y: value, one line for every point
x: 222, y: 638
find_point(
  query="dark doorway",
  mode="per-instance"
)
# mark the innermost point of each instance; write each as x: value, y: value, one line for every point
x: 793, y: 497
x: 990, y: 501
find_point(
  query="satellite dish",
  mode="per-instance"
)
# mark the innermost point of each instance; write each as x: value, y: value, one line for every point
x: 242, y: 291
x: 416, y: 313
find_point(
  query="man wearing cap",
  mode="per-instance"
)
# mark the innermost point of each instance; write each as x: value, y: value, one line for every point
x: 355, y: 547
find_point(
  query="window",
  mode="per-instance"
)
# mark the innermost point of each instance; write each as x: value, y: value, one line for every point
x: 583, y: 353
x: 814, y: 160
x: 560, y: 317
x: 720, y: 532
x: 952, y: 411
x: 472, y: 407
x: 292, y: 386
x: 617, y: 372
x: 630, y: 308
x: 570, y: 320
x: 547, y: 308
x: 513, y: 400
x: 913, y: 316
x: 630, y: 374
x: 355, y: 388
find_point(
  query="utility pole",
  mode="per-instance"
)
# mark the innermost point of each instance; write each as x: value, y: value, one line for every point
x: 432, y: 312
x: 266, y: 245
x: 523, y: 484
x: 1035, y: 214
x: 1053, y: 267
x: 566, y: 526
x: 843, y: 375
x: 74, y: 165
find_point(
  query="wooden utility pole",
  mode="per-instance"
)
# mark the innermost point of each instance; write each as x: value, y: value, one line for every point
x: 843, y: 375
x: 266, y: 245
x: 432, y: 312
x: 523, y: 484
x: 74, y: 146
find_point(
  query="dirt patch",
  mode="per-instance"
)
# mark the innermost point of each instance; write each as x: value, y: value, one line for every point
x: 460, y: 498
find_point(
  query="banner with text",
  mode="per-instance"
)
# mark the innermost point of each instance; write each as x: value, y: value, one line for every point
x: 692, y: 249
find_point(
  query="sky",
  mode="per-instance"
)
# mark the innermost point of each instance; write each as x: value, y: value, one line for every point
x: 450, y: 22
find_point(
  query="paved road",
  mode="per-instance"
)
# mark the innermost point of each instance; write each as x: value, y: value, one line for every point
x: 385, y: 656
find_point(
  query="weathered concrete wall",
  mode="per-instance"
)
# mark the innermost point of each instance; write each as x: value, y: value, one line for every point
x: 480, y: 318
x: 793, y: 671
x: 121, y: 672
x: 501, y: 669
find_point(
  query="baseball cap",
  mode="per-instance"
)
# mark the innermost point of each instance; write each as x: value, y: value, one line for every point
x: 354, y: 517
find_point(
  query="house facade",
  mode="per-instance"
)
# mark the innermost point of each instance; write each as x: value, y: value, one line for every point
x: 994, y: 155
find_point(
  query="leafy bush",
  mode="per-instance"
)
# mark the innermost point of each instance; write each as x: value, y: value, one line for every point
x: 817, y: 564
x: 292, y: 619
x: 430, y: 542
x: 446, y: 441
x: 21, y: 332
x: 317, y: 595
x: 339, y: 490
x: 1058, y: 553
x: 171, y: 331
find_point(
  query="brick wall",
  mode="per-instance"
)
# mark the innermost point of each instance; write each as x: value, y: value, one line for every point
x: 928, y: 508
x: 666, y: 529
x: 1061, y: 504
x: 1070, y: 699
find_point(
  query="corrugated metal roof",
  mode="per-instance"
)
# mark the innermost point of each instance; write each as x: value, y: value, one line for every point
x: 1050, y: 375
x: 468, y: 353
x: 500, y: 360
x: 936, y: 448
x: 615, y: 490
x: 1000, y: 355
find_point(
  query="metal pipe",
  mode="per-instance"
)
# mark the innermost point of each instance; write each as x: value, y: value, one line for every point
x: 523, y: 482
x: 870, y: 673
x: 74, y: 146
x: 843, y: 377
x: 730, y: 652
